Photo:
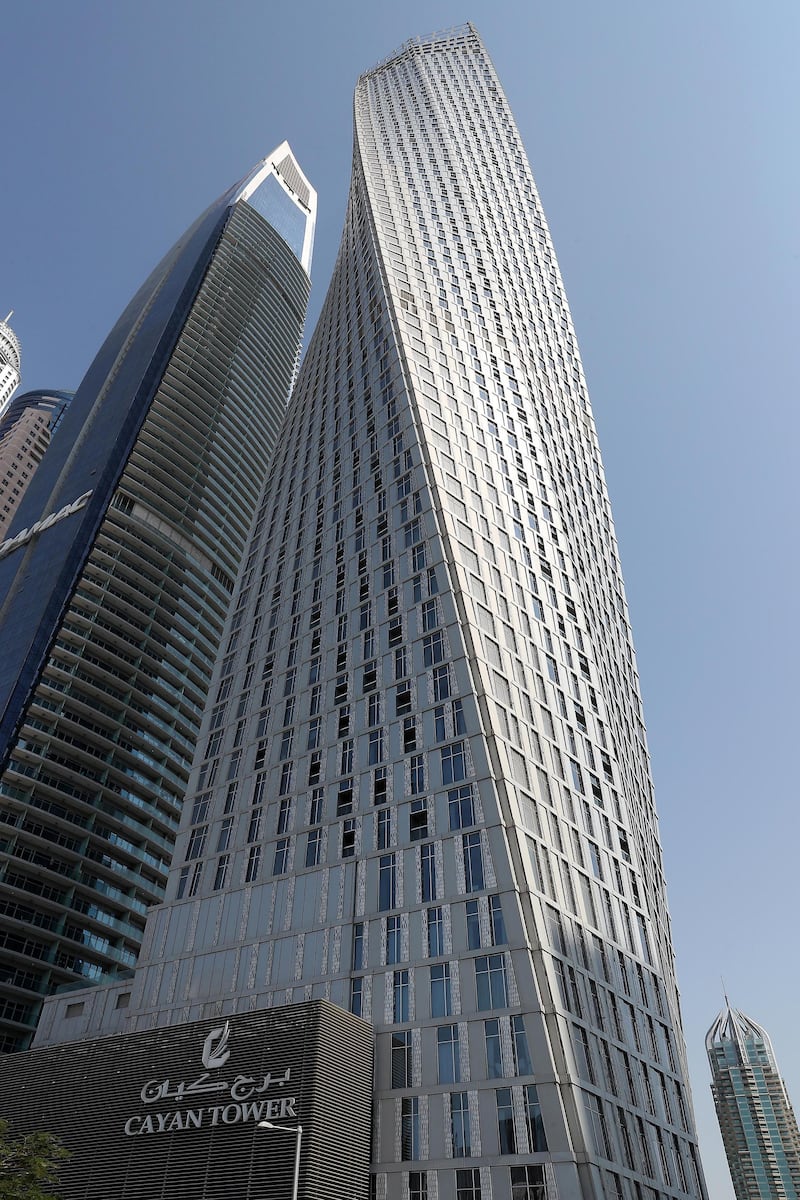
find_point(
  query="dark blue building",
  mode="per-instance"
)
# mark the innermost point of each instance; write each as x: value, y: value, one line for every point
x: 116, y: 577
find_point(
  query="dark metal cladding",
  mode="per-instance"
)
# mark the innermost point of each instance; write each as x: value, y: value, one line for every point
x: 148, y: 1115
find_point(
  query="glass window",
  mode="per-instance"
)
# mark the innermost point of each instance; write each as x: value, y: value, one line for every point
x: 393, y: 942
x: 409, y: 1128
x: 447, y: 1054
x: 522, y: 1058
x: 281, y: 859
x: 505, y: 1121
x: 468, y: 1184
x: 428, y: 871
x: 496, y: 922
x: 400, y: 997
x: 528, y: 1183
x: 490, y: 977
x: 537, y: 1142
x: 417, y: 1185
x: 401, y: 1059
x: 459, y: 1123
x: 454, y: 767
x: 461, y: 806
x: 441, y: 996
x: 473, y: 862
x: 494, y: 1056
x: 435, y: 932
x: 473, y: 925
x: 387, y: 883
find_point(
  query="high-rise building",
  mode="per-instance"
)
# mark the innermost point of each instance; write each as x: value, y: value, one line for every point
x: 9, y: 362
x: 26, y: 429
x: 116, y: 577
x: 756, y: 1119
x: 422, y: 788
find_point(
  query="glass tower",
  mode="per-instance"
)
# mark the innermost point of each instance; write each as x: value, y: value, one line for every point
x: 115, y: 580
x: 422, y: 789
x: 9, y: 362
x: 756, y: 1119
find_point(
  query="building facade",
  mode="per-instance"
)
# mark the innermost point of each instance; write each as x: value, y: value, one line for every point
x: 175, y: 1111
x: 115, y: 581
x: 9, y: 362
x: 422, y: 789
x: 756, y: 1119
x: 26, y: 429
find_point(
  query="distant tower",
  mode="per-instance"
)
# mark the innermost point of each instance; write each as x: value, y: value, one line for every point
x: 758, y: 1125
x: 26, y: 429
x: 9, y: 362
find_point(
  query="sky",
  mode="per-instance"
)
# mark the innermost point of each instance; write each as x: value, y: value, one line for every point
x: 663, y: 139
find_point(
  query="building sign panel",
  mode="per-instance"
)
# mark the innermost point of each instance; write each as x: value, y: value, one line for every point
x: 175, y: 1111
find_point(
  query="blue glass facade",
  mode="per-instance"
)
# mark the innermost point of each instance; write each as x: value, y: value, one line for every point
x: 115, y: 579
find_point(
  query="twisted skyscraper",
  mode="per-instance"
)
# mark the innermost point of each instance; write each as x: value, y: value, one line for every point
x: 422, y: 789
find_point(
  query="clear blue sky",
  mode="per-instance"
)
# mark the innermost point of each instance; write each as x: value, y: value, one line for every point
x: 664, y: 142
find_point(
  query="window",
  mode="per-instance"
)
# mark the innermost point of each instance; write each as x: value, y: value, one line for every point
x: 344, y: 798
x: 197, y: 842
x: 313, y: 847
x: 459, y: 1125
x: 494, y: 1056
x: 401, y: 1059
x: 253, y: 864
x: 490, y: 978
x: 522, y: 1058
x: 528, y: 1183
x: 409, y: 734
x: 393, y: 940
x: 188, y: 881
x: 537, y: 1142
x: 428, y: 871
x: 400, y: 997
x: 462, y: 807
x: 376, y: 752
x: 454, y: 766
x: 441, y: 995
x: 447, y: 1054
x: 417, y: 773
x: 387, y: 883
x: 496, y: 922
x: 358, y: 946
x: 221, y: 873
x: 505, y: 1121
x: 383, y: 829
x: 280, y: 862
x: 284, y: 815
x: 348, y: 838
x: 417, y: 1185
x: 409, y: 1128
x: 441, y: 683
x: 468, y: 1184
x: 433, y: 648
x: 473, y: 925
x: 435, y: 932
x: 473, y: 862
x: 418, y: 820
x: 429, y: 616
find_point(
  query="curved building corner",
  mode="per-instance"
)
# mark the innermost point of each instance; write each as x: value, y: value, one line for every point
x: 116, y: 577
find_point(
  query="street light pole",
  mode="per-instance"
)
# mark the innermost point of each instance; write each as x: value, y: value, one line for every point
x: 297, y: 1130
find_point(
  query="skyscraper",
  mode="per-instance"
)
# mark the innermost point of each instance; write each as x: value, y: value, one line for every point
x: 758, y: 1125
x: 116, y: 578
x: 9, y: 362
x: 27, y: 425
x: 422, y: 789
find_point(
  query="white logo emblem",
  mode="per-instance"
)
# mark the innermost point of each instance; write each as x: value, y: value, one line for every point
x: 215, y: 1047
